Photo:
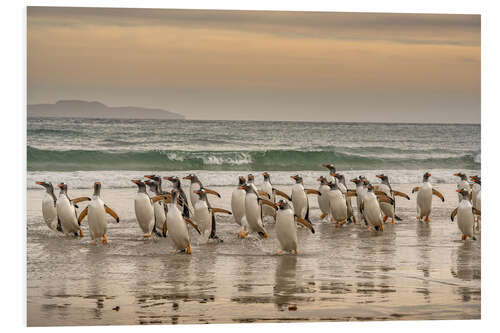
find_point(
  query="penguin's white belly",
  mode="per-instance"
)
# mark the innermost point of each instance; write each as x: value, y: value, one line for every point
x: 177, y: 229
x: 238, y: 205
x: 372, y: 210
x: 424, y: 200
x: 193, y: 196
x: 387, y: 209
x: 338, y: 206
x: 144, y: 212
x: 323, y: 201
x: 465, y: 218
x: 159, y: 213
x: 252, y: 213
x: 97, y: 219
x: 67, y: 213
x: 299, y: 201
x: 202, y: 216
x: 49, y: 212
x: 266, y: 210
x: 286, y: 231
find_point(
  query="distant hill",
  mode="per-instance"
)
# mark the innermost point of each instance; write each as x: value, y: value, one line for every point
x: 84, y: 109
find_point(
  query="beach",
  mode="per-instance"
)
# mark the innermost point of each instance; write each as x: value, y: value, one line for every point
x: 410, y: 271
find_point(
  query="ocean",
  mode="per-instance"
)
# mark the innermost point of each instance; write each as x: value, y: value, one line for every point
x: 113, y: 151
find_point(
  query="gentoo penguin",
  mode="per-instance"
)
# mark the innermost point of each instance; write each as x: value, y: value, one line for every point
x: 253, y: 210
x: 333, y: 170
x: 462, y: 184
x: 238, y: 206
x: 323, y: 201
x: 385, y: 187
x: 204, y: 214
x: 338, y: 205
x: 196, y: 185
x: 157, y: 179
x: 424, y: 198
x: 177, y: 228
x: 66, y: 211
x: 96, y: 212
x: 160, y: 207
x: 371, y: 208
x: 360, y: 191
x: 267, y: 187
x: 476, y: 197
x: 465, y: 215
x: 49, y: 209
x: 144, y: 210
x: 299, y: 198
x: 286, y: 229
x: 343, y: 188
x: 182, y: 202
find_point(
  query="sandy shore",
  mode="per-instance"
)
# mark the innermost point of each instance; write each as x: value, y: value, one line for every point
x: 410, y: 271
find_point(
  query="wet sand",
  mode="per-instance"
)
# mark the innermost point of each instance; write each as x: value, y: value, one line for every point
x: 411, y: 271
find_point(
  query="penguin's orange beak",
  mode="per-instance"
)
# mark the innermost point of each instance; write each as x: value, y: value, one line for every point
x: 168, y: 178
x: 149, y: 177
x: 196, y: 192
x: 459, y: 191
x: 456, y: 174
x: 324, y: 165
x: 39, y: 183
x: 134, y: 181
x: 98, y: 183
x: 277, y: 204
x: 378, y: 176
x: 60, y: 186
x: 186, y: 177
x: 241, y: 188
x: 353, y: 180
x: 293, y: 177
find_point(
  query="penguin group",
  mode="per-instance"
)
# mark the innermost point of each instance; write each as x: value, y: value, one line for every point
x: 170, y: 213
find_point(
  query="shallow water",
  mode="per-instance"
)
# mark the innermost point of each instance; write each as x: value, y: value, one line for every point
x: 410, y: 271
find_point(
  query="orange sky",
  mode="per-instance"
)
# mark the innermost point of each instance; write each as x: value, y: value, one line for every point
x: 260, y: 65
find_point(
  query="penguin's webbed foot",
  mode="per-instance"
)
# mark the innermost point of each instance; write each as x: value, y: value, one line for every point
x: 104, y: 239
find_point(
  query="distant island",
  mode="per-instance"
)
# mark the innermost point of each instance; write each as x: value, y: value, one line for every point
x: 85, y: 109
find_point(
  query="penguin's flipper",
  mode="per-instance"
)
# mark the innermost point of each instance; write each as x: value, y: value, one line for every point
x: 59, y: 225
x: 209, y: 191
x: 267, y: 202
x: 438, y: 194
x: 311, y: 191
x: 397, y: 218
x: 111, y: 212
x: 82, y: 215
x: 164, y: 229
x: 476, y: 211
x: 80, y: 199
x: 283, y: 194
x: 401, y: 194
x: 221, y: 210
x: 305, y: 223
x: 188, y: 220
x: 307, y: 214
x: 156, y: 198
x: 453, y: 214
x: 264, y: 194
x: 415, y: 189
x: 351, y: 193
x: 385, y: 199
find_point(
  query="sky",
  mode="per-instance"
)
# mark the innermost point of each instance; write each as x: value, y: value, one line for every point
x: 260, y: 65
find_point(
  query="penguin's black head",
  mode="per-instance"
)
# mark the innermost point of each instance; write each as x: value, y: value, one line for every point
x: 333, y: 185
x: 156, y: 178
x: 322, y: 180
x: 97, y: 188
x: 297, y: 178
x: 153, y: 185
x: 47, y: 185
x: 426, y: 176
x: 140, y: 184
x: 461, y: 175
x: 266, y: 176
x: 192, y: 177
x: 63, y: 187
x: 174, y: 180
x: 369, y: 187
x: 356, y: 181
x: 464, y: 193
x: 330, y: 167
x: 201, y: 193
x: 250, y: 178
x: 282, y: 204
x: 241, y: 180
x: 245, y: 187
x: 383, y: 178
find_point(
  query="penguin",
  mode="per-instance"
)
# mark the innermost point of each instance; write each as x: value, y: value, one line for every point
x: 238, y: 207
x: 360, y: 191
x: 267, y: 187
x: 96, y: 212
x: 177, y: 228
x: 386, y: 188
x: 340, y: 180
x: 299, y: 198
x: 144, y: 209
x: 49, y: 210
x: 333, y: 170
x: 465, y: 215
x: 462, y: 183
x: 286, y: 229
x: 476, y: 198
x: 204, y: 214
x: 424, y: 198
x: 66, y: 211
x: 323, y: 201
x: 196, y: 185
x: 371, y: 208
x: 253, y: 210
x: 183, y: 201
x: 338, y: 205
x: 160, y: 207
x: 157, y: 179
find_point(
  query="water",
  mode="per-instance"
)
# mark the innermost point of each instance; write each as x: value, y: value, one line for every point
x: 103, y: 144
